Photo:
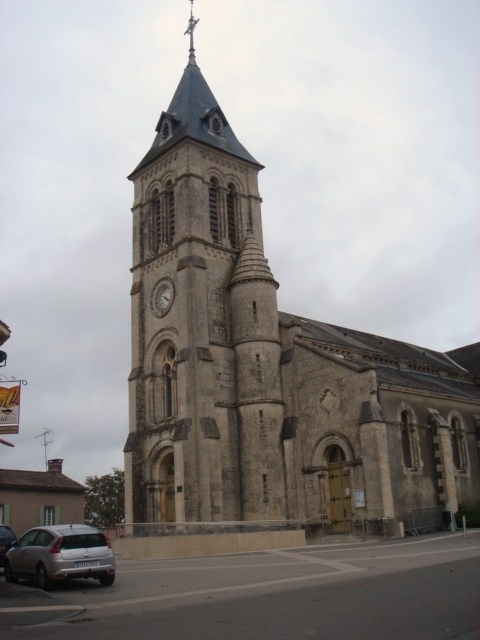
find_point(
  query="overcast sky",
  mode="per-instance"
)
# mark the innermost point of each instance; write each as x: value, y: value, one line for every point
x: 364, y: 113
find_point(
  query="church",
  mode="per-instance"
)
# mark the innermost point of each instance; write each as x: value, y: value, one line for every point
x: 240, y: 412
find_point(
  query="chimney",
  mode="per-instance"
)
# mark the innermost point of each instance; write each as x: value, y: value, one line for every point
x: 55, y: 466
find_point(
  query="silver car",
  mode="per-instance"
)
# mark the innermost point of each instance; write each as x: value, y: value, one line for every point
x: 61, y: 552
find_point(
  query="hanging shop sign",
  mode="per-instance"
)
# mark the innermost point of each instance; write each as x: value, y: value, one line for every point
x: 10, y: 405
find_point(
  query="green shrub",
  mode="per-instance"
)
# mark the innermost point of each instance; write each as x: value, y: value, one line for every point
x: 471, y: 513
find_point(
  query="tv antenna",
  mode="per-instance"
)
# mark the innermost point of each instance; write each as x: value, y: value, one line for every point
x: 46, y: 434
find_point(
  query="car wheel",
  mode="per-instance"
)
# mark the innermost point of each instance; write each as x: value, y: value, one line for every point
x: 9, y: 577
x: 107, y: 581
x: 43, y: 581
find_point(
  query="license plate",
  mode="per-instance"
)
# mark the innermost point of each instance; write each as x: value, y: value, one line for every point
x: 87, y: 563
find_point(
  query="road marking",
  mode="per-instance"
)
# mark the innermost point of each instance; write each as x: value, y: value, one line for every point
x: 203, y: 592
x: 333, y: 564
x: 414, y: 555
x: 56, y: 607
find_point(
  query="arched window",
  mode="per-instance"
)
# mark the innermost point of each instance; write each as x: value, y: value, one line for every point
x: 169, y: 383
x: 170, y: 212
x: 458, y: 445
x: 168, y: 388
x: 216, y: 125
x: 336, y: 454
x: 157, y: 220
x: 213, y: 202
x: 231, y: 215
x: 164, y: 390
x: 163, y: 216
x: 166, y: 129
x: 409, y: 441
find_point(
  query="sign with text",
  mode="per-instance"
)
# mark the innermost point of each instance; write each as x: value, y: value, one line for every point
x: 9, y: 406
x: 359, y: 499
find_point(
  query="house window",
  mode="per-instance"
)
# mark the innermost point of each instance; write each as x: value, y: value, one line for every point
x: 409, y: 441
x: 5, y: 514
x: 49, y: 516
x: 231, y: 215
x: 458, y: 445
x: 213, y: 198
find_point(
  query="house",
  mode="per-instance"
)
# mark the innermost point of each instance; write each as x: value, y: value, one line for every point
x: 32, y: 498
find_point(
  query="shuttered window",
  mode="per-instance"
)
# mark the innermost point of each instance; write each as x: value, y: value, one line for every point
x: 213, y: 209
x: 231, y: 215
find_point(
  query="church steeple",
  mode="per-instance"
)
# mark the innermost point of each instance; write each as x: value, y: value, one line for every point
x: 194, y: 113
x: 203, y: 304
x: 192, y: 23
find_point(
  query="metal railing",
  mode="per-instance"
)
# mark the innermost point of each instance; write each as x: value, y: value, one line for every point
x: 320, y: 519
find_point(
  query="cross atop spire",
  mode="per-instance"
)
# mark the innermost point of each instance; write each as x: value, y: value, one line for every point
x: 192, y: 23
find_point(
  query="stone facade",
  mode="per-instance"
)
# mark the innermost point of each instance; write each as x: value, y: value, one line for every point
x: 239, y: 412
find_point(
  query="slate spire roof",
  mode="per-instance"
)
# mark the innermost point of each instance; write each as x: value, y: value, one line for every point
x: 397, y: 364
x: 190, y: 114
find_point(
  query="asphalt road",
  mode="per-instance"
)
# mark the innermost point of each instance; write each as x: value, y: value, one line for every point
x: 425, y: 588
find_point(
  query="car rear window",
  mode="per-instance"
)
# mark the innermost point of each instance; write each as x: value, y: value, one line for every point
x: 6, y: 534
x: 84, y: 541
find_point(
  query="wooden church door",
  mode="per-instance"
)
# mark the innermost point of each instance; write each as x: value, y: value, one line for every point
x: 339, y: 489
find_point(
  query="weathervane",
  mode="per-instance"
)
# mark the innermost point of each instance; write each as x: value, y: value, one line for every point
x: 192, y: 23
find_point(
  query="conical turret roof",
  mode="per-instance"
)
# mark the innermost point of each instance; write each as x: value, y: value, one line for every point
x: 251, y: 263
x: 190, y: 116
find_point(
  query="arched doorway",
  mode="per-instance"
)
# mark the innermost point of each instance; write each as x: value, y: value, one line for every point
x: 162, y: 489
x: 339, y: 489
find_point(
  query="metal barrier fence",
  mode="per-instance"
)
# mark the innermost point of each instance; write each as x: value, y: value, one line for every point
x: 429, y: 519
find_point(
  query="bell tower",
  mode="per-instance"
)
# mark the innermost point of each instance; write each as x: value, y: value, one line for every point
x: 196, y: 201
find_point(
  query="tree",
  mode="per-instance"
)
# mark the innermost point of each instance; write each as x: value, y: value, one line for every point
x: 104, y: 499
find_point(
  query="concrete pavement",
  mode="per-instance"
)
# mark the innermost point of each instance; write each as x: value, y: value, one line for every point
x: 24, y: 605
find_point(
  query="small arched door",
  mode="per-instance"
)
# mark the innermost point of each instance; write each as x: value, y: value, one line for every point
x: 339, y: 490
x: 162, y: 492
x: 169, y: 510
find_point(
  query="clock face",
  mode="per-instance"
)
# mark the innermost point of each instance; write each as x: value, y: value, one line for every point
x: 162, y: 297
x: 165, y: 297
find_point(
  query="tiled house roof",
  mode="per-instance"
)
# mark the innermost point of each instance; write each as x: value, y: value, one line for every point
x: 38, y: 481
